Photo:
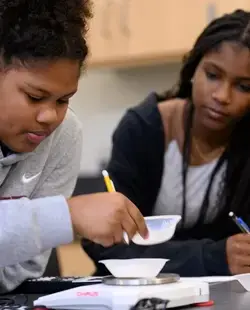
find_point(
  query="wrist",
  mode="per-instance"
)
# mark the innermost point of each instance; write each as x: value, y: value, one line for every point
x: 72, y: 216
x: 75, y: 215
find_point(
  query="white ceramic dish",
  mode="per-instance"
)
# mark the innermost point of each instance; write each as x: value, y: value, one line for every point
x: 135, y: 268
x: 161, y: 229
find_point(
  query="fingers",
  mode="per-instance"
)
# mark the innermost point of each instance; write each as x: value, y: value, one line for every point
x: 242, y: 249
x: 138, y: 219
x: 115, y: 237
x: 120, y: 216
x: 105, y: 242
x: 240, y: 264
x: 242, y: 269
x: 118, y: 235
x: 241, y: 238
x: 238, y: 254
x: 243, y: 261
x: 240, y: 246
x: 129, y: 226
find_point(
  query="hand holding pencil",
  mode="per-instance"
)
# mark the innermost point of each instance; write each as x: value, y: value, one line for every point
x: 111, y: 189
x: 104, y: 217
x: 238, y: 248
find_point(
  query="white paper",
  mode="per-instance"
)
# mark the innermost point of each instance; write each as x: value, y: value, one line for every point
x: 213, y: 279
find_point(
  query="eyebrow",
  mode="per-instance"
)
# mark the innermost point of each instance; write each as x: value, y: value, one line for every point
x: 211, y: 63
x: 47, y: 92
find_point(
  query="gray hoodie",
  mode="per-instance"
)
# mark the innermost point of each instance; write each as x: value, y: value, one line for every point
x: 29, y: 226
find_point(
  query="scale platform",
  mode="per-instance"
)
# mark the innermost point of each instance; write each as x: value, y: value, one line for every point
x: 167, y: 290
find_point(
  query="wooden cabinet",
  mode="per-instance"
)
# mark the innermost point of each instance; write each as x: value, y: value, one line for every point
x: 145, y: 20
x: 185, y: 24
x: 166, y: 28
x: 133, y: 32
x: 106, y: 38
x: 228, y: 6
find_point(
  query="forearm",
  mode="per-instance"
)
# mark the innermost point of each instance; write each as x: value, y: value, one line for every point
x: 12, y: 276
x: 30, y: 227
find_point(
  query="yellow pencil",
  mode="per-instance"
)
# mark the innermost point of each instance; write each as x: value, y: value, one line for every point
x: 109, y: 184
x: 111, y: 188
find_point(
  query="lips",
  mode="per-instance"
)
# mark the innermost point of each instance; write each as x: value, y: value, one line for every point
x: 215, y: 113
x: 37, y: 137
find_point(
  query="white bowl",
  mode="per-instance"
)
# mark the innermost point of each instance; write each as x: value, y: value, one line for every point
x: 161, y: 229
x: 135, y: 267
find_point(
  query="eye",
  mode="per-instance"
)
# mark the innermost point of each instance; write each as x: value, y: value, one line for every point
x: 34, y: 98
x: 244, y: 87
x: 211, y: 75
x: 61, y: 101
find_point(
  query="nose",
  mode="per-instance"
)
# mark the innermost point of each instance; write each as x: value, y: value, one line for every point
x: 222, y: 93
x: 47, y: 115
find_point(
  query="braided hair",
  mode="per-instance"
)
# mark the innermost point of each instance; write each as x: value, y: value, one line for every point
x: 234, y: 193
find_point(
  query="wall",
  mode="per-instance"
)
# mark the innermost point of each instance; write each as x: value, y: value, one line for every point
x: 102, y: 99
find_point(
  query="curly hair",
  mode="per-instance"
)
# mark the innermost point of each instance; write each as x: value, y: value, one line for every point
x: 234, y: 190
x: 43, y: 30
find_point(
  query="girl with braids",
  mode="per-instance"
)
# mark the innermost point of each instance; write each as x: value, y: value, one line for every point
x: 42, y: 51
x: 187, y: 152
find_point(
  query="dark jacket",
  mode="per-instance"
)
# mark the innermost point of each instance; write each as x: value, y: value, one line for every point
x: 136, y: 168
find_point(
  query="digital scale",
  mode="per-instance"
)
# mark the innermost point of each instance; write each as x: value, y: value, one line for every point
x: 125, y: 293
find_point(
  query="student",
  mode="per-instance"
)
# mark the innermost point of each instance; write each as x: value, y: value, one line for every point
x: 43, y: 227
x: 188, y: 152
x: 42, y: 50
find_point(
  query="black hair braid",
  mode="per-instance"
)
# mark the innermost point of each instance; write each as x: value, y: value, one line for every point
x: 237, y: 178
x: 186, y: 154
x: 234, y: 193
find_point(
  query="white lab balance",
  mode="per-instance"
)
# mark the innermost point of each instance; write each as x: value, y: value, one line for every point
x: 123, y: 294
